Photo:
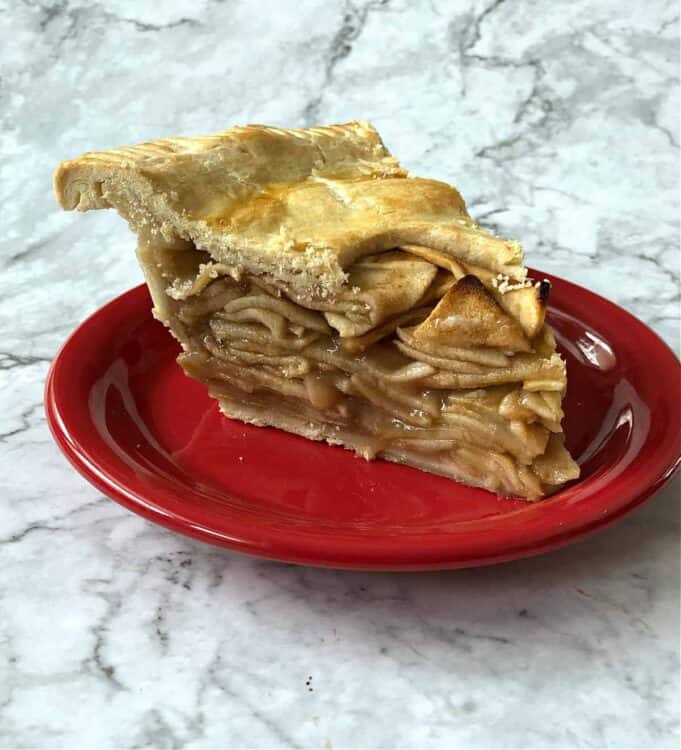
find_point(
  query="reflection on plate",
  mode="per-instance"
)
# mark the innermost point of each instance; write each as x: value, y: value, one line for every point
x: 149, y: 437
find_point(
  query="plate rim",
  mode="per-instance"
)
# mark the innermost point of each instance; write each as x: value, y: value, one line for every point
x: 304, y: 549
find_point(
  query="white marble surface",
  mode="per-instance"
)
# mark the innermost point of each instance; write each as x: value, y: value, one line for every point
x: 559, y: 122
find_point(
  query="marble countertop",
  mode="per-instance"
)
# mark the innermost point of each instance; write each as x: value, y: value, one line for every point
x: 559, y: 122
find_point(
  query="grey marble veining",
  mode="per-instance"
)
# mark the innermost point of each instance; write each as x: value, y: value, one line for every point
x: 560, y: 123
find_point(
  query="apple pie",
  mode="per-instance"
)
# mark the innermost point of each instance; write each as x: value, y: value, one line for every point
x: 316, y: 286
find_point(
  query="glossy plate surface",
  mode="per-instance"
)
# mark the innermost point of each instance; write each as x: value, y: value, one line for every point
x: 150, y: 438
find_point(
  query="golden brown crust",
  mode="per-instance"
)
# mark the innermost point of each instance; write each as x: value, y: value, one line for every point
x: 300, y: 205
x: 256, y: 154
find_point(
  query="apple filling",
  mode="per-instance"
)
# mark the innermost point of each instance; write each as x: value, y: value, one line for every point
x: 418, y: 359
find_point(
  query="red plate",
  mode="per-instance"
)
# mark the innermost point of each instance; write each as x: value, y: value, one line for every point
x: 150, y: 438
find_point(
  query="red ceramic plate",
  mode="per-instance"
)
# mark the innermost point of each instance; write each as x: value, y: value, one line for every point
x: 150, y: 438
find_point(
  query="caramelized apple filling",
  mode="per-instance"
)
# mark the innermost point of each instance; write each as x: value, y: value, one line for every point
x: 415, y: 360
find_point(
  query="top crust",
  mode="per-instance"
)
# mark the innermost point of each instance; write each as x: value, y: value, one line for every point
x: 300, y: 206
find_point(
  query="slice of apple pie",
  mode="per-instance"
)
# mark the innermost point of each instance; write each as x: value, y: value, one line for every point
x: 318, y: 287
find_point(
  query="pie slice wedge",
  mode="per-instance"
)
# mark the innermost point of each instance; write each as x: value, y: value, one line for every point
x: 318, y: 287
